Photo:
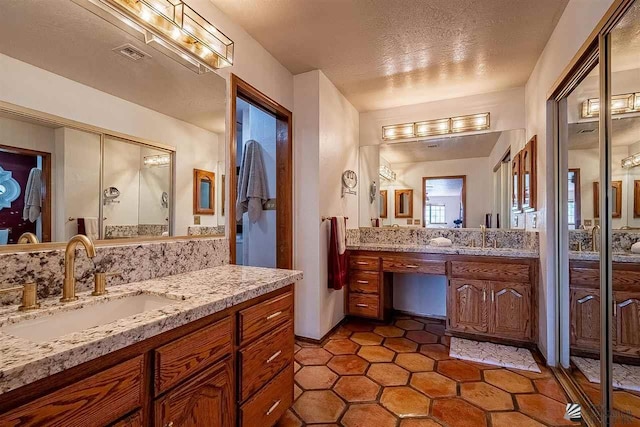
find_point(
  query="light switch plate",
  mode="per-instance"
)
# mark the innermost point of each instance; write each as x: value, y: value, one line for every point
x: 196, y: 219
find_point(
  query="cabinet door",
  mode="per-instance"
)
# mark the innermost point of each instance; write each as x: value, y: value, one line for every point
x: 205, y: 400
x: 627, y: 321
x: 511, y: 310
x: 468, y: 305
x: 585, y: 318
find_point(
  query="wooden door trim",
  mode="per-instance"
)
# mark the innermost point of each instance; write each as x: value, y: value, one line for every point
x: 46, y: 187
x: 284, y: 170
x: 463, y: 195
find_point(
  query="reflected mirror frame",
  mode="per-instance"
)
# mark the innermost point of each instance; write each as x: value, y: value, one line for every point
x: 199, y: 176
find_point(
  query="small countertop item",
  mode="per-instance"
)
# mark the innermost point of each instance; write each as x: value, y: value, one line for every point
x: 195, y: 295
x: 440, y: 241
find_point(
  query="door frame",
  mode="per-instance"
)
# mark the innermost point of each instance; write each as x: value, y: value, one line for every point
x: 46, y: 185
x: 284, y: 169
x: 463, y: 196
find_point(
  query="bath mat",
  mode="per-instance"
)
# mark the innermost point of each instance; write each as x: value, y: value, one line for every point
x: 488, y: 353
x: 624, y: 376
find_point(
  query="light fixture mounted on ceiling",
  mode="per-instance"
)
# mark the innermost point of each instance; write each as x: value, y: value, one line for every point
x: 620, y: 104
x: 387, y: 173
x: 174, y: 26
x: 435, y: 127
x: 631, y: 161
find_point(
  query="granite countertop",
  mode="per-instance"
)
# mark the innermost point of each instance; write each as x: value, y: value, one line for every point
x: 196, y: 295
x: 451, y: 250
x: 627, y: 257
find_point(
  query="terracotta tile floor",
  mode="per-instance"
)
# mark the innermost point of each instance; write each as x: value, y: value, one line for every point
x: 400, y: 375
x: 625, y: 401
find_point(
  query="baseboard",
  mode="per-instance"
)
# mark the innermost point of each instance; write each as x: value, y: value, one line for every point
x: 426, y: 316
x: 324, y: 337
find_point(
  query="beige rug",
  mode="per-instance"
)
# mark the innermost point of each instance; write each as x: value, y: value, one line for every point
x: 505, y: 356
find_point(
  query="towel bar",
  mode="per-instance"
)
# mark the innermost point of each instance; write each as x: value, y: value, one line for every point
x: 324, y: 218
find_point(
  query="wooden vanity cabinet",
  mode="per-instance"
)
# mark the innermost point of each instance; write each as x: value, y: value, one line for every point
x: 584, y: 295
x: 233, y: 366
x: 486, y: 296
x: 204, y: 400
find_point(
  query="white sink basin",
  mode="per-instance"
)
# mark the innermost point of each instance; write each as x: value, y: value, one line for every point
x: 47, y: 328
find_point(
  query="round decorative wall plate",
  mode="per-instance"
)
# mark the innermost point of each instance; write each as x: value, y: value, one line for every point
x: 349, y: 179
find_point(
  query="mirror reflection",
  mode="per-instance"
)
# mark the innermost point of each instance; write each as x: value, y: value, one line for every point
x: 102, y: 139
x: 451, y: 182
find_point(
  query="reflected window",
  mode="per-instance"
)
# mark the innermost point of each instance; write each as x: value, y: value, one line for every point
x: 435, y: 214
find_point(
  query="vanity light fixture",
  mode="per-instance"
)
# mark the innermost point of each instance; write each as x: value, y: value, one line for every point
x: 159, y: 160
x: 620, y: 104
x: 444, y: 126
x: 172, y: 24
x: 387, y: 173
x: 631, y: 161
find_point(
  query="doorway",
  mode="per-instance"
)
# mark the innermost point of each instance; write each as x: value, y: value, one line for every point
x: 444, y: 201
x: 260, y: 128
x: 22, y: 167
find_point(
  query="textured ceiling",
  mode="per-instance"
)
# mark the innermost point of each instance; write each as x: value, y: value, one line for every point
x: 625, y: 131
x: 66, y: 39
x: 387, y: 53
x: 449, y: 148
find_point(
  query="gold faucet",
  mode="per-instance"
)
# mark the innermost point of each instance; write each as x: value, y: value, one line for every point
x: 594, y: 246
x: 27, y: 238
x: 483, y: 228
x: 29, y: 295
x: 69, y: 285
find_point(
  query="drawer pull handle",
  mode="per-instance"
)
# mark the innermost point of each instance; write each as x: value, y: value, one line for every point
x: 364, y: 282
x: 274, y: 355
x: 273, y: 408
x: 362, y: 305
x: 274, y: 315
x: 362, y: 262
x: 169, y: 424
x: 411, y: 266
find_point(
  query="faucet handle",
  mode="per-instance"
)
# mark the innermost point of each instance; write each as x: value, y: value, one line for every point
x: 100, y: 282
x: 29, y: 295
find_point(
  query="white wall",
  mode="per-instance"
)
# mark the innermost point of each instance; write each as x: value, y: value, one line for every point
x: 306, y: 152
x: 575, y: 24
x: 122, y: 171
x: 326, y: 135
x: 339, y: 122
x: 421, y: 294
x: 506, y: 108
x: 35, y: 88
x: 154, y: 180
x: 76, y: 180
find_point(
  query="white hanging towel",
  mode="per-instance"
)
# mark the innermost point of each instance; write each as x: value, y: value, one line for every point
x: 252, y: 183
x: 33, y: 196
x: 91, y: 228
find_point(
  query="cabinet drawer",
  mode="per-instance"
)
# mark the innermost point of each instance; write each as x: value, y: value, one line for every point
x: 590, y: 277
x: 364, y: 305
x: 492, y: 271
x: 366, y: 282
x: 404, y: 265
x: 267, y: 406
x: 263, y: 317
x: 361, y: 262
x: 187, y: 355
x: 263, y: 359
x: 98, y: 400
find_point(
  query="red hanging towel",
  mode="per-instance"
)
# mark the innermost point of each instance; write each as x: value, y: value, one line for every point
x: 337, y: 261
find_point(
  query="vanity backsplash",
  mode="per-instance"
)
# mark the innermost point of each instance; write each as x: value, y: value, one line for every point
x: 621, y: 240
x: 135, y: 263
x: 514, y: 239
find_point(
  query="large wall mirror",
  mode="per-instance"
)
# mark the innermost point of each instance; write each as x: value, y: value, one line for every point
x: 100, y: 132
x: 453, y: 182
